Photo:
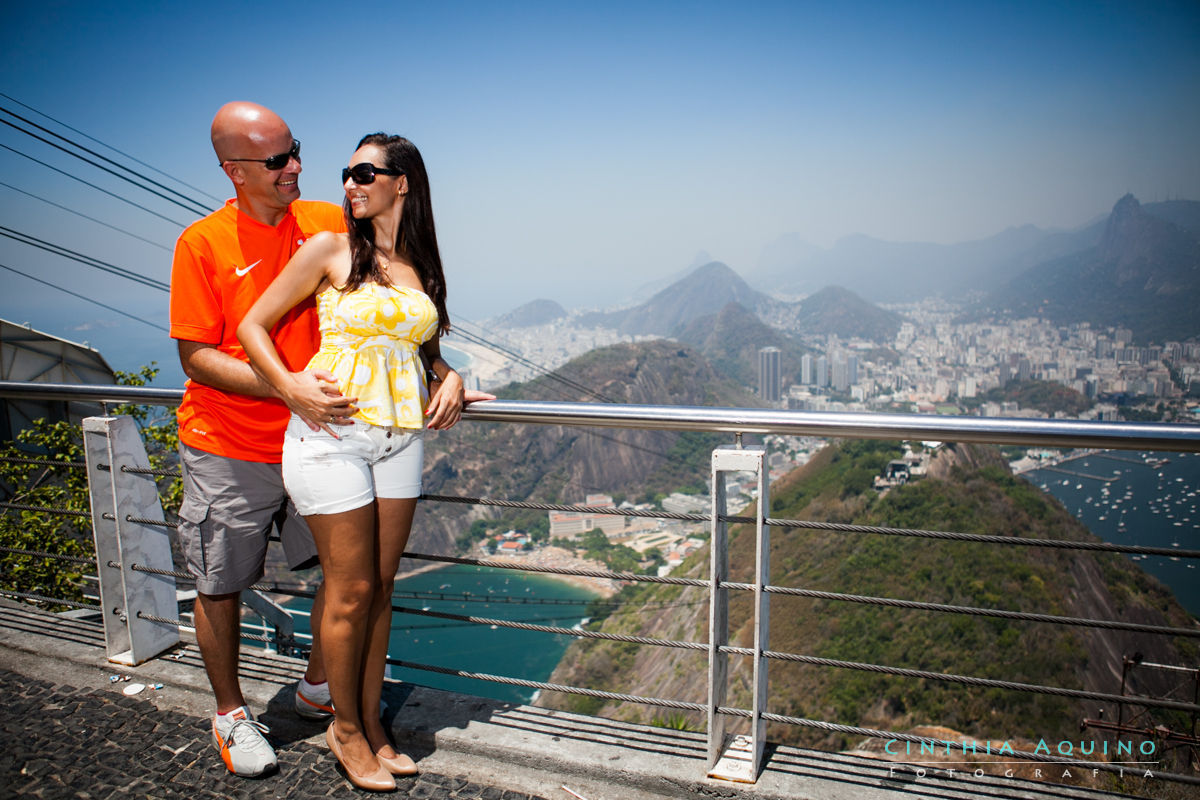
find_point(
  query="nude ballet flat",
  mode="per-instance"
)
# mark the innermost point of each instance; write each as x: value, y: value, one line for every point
x: 379, y: 781
x: 399, y: 764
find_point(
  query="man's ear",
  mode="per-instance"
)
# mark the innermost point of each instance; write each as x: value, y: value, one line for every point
x: 234, y: 171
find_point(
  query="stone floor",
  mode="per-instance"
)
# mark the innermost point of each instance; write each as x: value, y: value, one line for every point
x: 67, y: 741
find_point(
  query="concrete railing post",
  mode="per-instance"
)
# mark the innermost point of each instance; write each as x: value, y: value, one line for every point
x: 737, y: 758
x: 111, y: 445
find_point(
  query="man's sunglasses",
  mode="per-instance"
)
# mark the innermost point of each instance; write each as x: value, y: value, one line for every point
x: 365, y: 173
x: 277, y: 161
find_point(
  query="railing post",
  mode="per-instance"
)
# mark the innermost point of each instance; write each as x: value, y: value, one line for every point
x: 737, y: 758
x: 118, y: 497
x: 277, y: 616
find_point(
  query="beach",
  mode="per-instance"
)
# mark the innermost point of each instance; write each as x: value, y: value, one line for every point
x: 560, y: 558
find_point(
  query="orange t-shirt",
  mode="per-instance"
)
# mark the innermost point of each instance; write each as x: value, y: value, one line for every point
x: 222, y: 264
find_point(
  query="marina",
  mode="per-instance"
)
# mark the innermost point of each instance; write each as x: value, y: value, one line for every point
x: 1146, y: 499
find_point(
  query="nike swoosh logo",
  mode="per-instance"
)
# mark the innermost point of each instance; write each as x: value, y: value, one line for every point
x: 241, y: 272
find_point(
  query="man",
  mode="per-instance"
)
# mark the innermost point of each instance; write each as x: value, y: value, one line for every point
x: 230, y: 424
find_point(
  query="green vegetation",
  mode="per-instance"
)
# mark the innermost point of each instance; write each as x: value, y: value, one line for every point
x: 1045, y: 396
x: 970, y: 492
x: 65, y: 488
x: 534, y: 523
x: 616, y: 557
x: 1142, y: 413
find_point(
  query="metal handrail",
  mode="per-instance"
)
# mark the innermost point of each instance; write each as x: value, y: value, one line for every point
x: 831, y: 424
x: 1030, y: 432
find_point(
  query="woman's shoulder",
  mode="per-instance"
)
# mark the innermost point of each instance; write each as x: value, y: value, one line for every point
x: 329, y: 241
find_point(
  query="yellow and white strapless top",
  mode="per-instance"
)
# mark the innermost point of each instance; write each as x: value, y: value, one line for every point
x: 369, y: 341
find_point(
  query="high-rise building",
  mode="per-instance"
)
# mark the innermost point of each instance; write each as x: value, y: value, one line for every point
x: 822, y: 371
x: 769, y: 376
x: 806, y: 369
x: 838, y: 378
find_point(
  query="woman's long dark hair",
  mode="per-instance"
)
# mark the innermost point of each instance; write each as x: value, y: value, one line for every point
x: 416, y: 240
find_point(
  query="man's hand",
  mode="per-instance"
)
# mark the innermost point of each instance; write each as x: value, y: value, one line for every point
x: 313, y: 395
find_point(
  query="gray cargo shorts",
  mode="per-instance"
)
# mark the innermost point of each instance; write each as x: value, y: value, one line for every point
x: 229, y: 508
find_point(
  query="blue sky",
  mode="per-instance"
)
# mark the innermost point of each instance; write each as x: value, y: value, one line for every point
x: 578, y: 152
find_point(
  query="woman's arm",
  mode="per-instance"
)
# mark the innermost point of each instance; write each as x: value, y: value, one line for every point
x: 448, y: 397
x: 313, y: 395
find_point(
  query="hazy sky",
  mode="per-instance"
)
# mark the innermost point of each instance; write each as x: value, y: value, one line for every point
x: 579, y: 151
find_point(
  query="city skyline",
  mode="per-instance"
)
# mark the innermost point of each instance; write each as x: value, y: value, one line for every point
x: 579, y: 154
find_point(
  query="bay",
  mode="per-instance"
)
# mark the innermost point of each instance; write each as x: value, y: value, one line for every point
x: 479, y: 592
x: 1144, y: 498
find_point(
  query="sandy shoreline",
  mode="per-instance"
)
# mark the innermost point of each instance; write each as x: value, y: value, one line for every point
x: 548, y: 557
x: 558, y: 558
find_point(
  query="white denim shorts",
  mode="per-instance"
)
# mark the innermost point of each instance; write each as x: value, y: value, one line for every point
x: 328, y: 475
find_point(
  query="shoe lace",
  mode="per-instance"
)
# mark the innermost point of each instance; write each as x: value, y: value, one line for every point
x: 253, y: 733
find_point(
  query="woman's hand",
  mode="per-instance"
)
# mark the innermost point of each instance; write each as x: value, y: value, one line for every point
x: 446, y: 399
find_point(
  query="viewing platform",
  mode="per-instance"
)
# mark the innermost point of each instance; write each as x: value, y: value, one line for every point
x: 70, y: 731
x: 73, y: 732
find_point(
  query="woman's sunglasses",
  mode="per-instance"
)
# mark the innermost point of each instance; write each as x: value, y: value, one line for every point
x: 277, y: 161
x: 365, y: 173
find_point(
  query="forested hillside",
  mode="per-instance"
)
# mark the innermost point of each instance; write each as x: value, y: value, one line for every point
x: 969, y: 490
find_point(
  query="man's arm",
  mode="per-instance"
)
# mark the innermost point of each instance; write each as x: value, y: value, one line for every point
x: 204, y: 363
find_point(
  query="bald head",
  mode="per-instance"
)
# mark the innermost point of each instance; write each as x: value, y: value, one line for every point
x: 241, y: 127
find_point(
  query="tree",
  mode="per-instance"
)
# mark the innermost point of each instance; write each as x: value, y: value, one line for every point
x: 42, y: 469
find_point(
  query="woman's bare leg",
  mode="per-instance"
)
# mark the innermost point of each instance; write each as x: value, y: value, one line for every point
x: 393, y: 526
x: 346, y: 543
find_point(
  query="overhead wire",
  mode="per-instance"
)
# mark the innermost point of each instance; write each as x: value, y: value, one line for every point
x: 85, y: 297
x: 85, y: 216
x: 87, y: 260
x: 201, y: 208
x: 186, y: 207
x: 94, y: 186
x: 113, y: 149
x: 538, y: 368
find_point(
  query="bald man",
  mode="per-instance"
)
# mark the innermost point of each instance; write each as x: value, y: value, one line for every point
x: 230, y: 422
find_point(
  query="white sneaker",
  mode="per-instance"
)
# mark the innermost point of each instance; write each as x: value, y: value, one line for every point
x: 314, y: 704
x: 244, y: 749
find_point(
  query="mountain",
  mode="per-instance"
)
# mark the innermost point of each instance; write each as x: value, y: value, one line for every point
x: 565, y: 463
x: 841, y: 312
x: 731, y: 339
x: 1144, y: 274
x: 535, y: 312
x: 705, y: 290
x: 969, y: 489
x: 883, y: 271
x: 1183, y: 213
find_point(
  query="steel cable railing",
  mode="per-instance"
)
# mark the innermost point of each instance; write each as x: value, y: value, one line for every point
x: 1112, y: 435
x: 836, y: 527
x: 41, y: 598
x: 701, y: 646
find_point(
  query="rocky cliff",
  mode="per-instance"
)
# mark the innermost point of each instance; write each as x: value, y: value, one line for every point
x: 557, y: 463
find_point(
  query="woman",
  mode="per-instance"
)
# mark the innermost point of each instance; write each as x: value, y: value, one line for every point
x: 381, y: 300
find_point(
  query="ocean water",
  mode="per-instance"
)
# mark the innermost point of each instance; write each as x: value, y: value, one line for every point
x: 480, y: 592
x: 1140, y: 498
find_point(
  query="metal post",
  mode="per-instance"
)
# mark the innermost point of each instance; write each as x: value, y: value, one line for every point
x: 737, y: 758
x: 275, y: 614
x: 118, y: 497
